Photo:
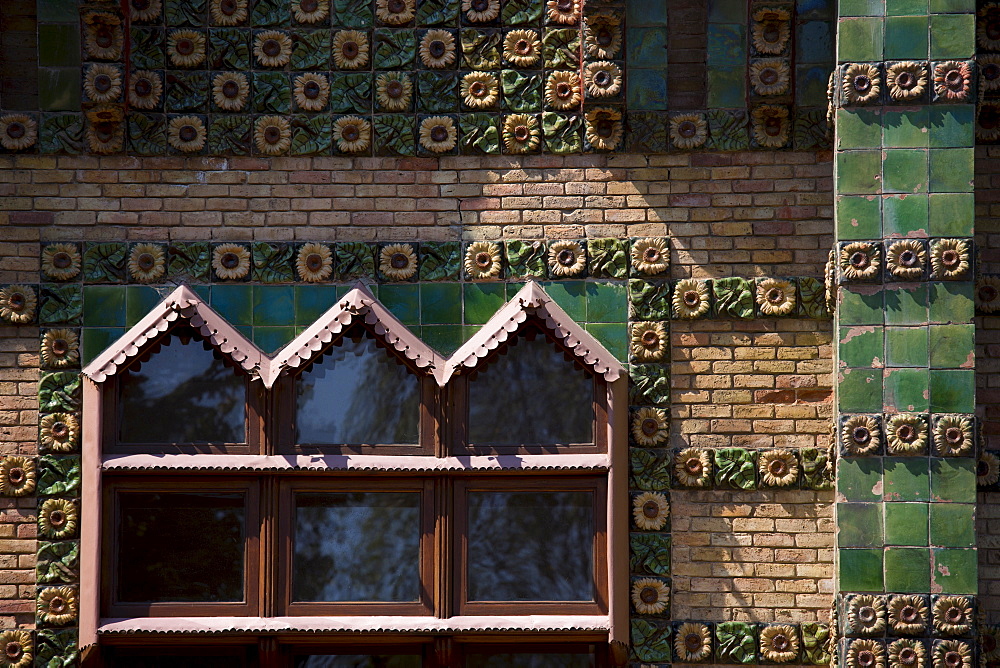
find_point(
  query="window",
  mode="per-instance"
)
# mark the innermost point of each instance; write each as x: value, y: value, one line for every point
x: 356, y: 500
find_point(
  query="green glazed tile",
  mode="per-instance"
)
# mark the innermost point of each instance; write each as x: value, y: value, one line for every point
x: 951, y: 170
x: 951, y: 301
x: 860, y: 390
x: 736, y: 642
x: 59, y: 475
x: 57, y: 11
x: 858, y: 172
x: 905, y: 7
x: 907, y: 569
x: 904, y: 171
x: 906, y: 346
x: 608, y: 258
x: 905, y: 215
x: 646, y: 13
x: 649, y: 554
x: 613, y: 336
x: 234, y: 303
x: 735, y: 468
x: 57, y: 562
x: 607, y: 302
x: 952, y: 346
x: 443, y: 338
x: 726, y: 11
x: 649, y: 385
x: 862, y: 8
x: 650, y: 640
x: 905, y: 129
x: 953, y: 36
x: 139, y: 301
x: 441, y: 304
x: 952, y: 125
x: 955, y: 571
x: 905, y: 390
x: 951, y: 214
x: 858, y: 217
x: 403, y: 301
x: 273, y: 305
x: 906, y: 524
x: 906, y: 479
x: 649, y: 300
x: 905, y: 37
x: 59, y: 45
x: 439, y: 260
x: 952, y: 6
x: 59, y: 391
x: 861, y: 347
x: 860, y: 570
x: 103, y: 306
x: 953, y: 525
x: 272, y: 339
x: 60, y: 304
x: 649, y: 469
x: 354, y: 260
x: 816, y: 649
x: 482, y: 301
x: 858, y: 128
x: 953, y: 390
x: 572, y: 297
x: 189, y: 261
x: 733, y: 298
x: 272, y: 263
x: 860, y: 305
x: 859, y: 39
x: 859, y: 525
x: 312, y: 301
x: 906, y: 305
x: 105, y: 262
x: 953, y: 479
x: 527, y: 258
x: 860, y: 479
x: 96, y: 339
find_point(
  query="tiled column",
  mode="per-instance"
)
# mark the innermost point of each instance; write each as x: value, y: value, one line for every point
x: 904, y: 216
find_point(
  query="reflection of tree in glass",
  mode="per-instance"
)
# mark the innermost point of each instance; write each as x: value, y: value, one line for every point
x: 183, y: 394
x: 532, y: 395
x: 533, y: 660
x: 531, y: 546
x: 358, y: 394
x: 359, y: 661
x: 181, y: 547
x: 357, y: 546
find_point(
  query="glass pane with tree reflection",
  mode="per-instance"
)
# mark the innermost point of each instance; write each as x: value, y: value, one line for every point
x: 181, y: 546
x: 358, y: 394
x: 183, y: 394
x: 359, y: 661
x: 357, y: 546
x: 531, y: 396
x: 533, y: 660
x: 531, y: 546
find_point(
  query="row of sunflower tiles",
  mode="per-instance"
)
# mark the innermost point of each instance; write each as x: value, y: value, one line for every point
x: 907, y: 435
x: 907, y: 82
x: 107, y: 129
x: 941, y: 615
x: 905, y: 260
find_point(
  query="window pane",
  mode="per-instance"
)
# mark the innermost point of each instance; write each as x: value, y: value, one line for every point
x: 183, y: 394
x: 358, y: 394
x: 531, y: 546
x: 181, y: 546
x: 531, y: 396
x: 359, y: 661
x: 533, y: 660
x: 357, y: 546
x: 175, y: 660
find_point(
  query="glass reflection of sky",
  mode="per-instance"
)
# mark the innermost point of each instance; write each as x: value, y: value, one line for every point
x: 358, y: 394
x: 357, y: 546
x: 531, y: 546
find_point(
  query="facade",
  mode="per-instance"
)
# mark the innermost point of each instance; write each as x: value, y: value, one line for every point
x: 499, y: 333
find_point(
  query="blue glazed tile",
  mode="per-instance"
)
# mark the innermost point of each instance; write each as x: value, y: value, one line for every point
x: 726, y: 45
x: 234, y: 303
x: 403, y: 301
x: 271, y: 339
x: 647, y: 47
x: 647, y: 90
x: 441, y: 303
x: 810, y: 85
x: 726, y: 86
x: 815, y: 42
x: 646, y: 12
x: 727, y: 11
x: 139, y: 300
x: 312, y: 301
x: 815, y: 9
x: 273, y: 305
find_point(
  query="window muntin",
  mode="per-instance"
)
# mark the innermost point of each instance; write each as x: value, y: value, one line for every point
x: 356, y: 546
x: 506, y: 406
x: 183, y: 393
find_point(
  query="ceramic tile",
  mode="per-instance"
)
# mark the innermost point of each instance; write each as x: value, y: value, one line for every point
x: 606, y: 302
x: 273, y: 305
x: 952, y: 525
x: 726, y: 11
x: 814, y: 43
x: 904, y: 171
x: 906, y: 129
x: 951, y: 214
x: 614, y: 337
x: 403, y: 301
x: 906, y: 524
x: 952, y: 125
x: 905, y: 390
x: 646, y: 13
x: 949, y: 6
x: 860, y: 305
x: 858, y: 128
x: 862, y: 7
x: 955, y: 571
x: 647, y: 89
x: 443, y: 338
x: 104, y: 306
x: 905, y: 7
x: 647, y: 47
x: 951, y: 170
x: 860, y: 570
x: 952, y: 346
x: 860, y: 479
x: 570, y: 295
x: 858, y: 217
x: 905, y: 215
x: 953, y: 36
x: 906, y: 479
x: 953, y: 479
x: 810, y: 84
x: 858, y: 172
x: 59, y: 45
x: 441, y: 303
x: 905, y: 37
x: 139, y: 301
x: 272, y: 339
x: 58, y: 11
x: 859, y: 525
x: 907, y: 569
x: 860, y: 39
x: 861, y: 347
x: 726, y: 87
x: 906, y: 305
x: 860, y: 390
x: 59, y: 89
x: 96, y: 339
x: 482, y: 300
x: 951, y: 301
x: 953, y: 390
x: 906, y: 346
x: 312, y: 301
